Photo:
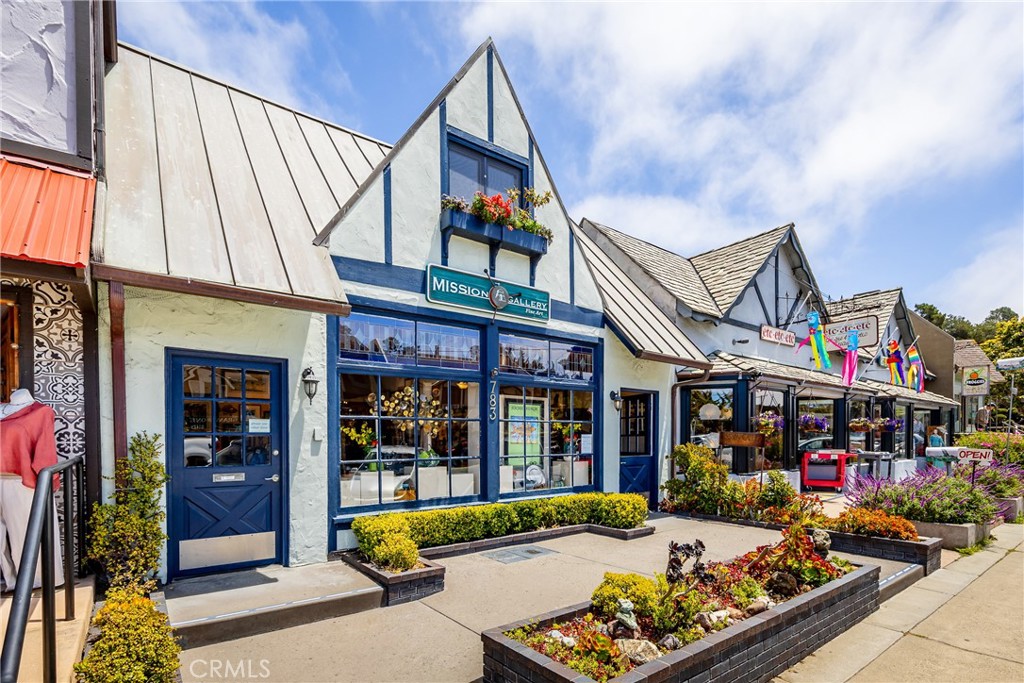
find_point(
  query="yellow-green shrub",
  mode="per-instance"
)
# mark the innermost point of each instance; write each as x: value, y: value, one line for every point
x: 431, y: 528
x: 136, y: 644
x: 640, y: 590
x: 396, y: 553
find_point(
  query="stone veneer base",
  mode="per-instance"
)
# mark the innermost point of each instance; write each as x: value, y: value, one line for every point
x: 414, y: 584
x: 926, y: 552
x: 755, y: 649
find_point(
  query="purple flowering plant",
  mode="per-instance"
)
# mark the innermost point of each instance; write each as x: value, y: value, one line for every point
x: 813, y: 423
x: 769, y: 422
x: 929, y: 495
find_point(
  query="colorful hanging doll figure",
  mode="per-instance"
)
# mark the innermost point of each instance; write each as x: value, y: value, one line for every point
x: 915, y: 373
x: 850, y: 358
x: 816, y: 338
x: 894, y: 359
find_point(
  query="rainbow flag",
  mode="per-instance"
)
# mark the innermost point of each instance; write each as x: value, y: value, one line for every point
x: 915, y: 375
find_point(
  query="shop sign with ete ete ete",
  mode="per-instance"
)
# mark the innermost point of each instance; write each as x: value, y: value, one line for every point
x: 479, y: 292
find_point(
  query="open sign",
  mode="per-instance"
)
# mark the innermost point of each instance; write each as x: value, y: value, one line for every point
x: 962, y: 454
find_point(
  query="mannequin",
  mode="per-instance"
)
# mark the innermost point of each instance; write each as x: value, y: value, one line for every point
x: 27, y: 445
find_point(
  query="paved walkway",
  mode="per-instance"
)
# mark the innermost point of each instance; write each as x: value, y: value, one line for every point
x: 438, y: 638
x: 964, y: 622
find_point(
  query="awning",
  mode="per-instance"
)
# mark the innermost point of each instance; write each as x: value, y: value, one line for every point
x: 729, y: 364
x: 909, y: 395
x: 45, y: 213
x: 643, y: 327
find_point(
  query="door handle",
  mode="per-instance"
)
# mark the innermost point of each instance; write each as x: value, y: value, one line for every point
x: 276, y: 478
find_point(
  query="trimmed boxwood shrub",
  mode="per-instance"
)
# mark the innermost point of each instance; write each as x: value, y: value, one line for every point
x: 431, y: 528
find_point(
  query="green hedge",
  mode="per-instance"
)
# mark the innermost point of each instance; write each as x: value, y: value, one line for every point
x: 431, y: 528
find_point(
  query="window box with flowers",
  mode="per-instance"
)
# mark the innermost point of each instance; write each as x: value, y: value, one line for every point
x: 498, y: 221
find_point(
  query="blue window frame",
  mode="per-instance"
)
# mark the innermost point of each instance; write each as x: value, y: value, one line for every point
x: 472, y: 170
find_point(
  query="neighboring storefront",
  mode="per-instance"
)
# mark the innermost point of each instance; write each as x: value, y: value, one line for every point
x: 749, y: 306
x: 974, y: 374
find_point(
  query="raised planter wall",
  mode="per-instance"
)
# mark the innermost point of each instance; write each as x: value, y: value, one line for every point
x: 953, y: 536
x: 1011, y: 508
x: 755, y: 649
x: 419, y: 583
x: 926, y: 552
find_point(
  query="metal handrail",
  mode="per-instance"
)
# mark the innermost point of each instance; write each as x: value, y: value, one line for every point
x: 40, y: 534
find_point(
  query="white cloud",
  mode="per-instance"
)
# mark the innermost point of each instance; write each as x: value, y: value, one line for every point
x: 764, y: 114
x: 992, y: 277
x: 241, y: 44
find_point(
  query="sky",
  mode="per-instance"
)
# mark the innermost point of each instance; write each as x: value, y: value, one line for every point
x: 891, y: 134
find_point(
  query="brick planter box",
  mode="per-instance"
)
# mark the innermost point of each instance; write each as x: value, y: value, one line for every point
x: 405, y: 586
x: 926, y: 552
x: 755, y: 649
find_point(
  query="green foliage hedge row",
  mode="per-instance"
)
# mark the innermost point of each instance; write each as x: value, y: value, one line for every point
x: 1007, y: 450
x: 431, y: 528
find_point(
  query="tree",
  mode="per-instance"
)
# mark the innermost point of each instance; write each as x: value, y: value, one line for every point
x: 931, y: 313
x: 987, y: 328
x: 958, y: 326
x: 1007, y: 342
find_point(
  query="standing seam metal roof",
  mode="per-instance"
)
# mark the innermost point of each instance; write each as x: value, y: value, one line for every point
x: 211, y: 183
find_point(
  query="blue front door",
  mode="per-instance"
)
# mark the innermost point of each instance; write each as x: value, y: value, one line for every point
x: 637, y: 466
x: 225, y: 452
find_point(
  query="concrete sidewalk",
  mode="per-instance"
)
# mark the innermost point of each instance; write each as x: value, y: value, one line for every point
x: 964, y: 622
x: 438, y: 638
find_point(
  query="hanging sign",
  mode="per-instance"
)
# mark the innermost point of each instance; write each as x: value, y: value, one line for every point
x: 774, y: 334
x: 866, y: 328
x: 975, y: 381
x: 478, y: 292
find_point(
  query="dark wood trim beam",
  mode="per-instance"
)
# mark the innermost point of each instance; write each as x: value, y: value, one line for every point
x: 215, y: 290
x: 52, y: 156
x: 41, y: 271
x: 110, y: 31
x: 117, y: 374
x: 91, y: 386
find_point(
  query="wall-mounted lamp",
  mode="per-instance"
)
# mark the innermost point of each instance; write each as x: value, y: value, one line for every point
x: 616, y: 399
x: 309, y: 382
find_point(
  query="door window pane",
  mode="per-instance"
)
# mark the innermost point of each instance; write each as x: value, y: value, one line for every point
x: 197, y: 382
x: 229, y: 383
x: 257, y: 450
x: 229, y: 451
x: 257, y: 384
x: 198, y: 451
x: 198, y: 416
x: 229, y: 416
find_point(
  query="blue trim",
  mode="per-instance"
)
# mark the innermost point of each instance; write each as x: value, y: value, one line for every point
x: 485, y: 147
x: 490, y: 94
x: 597, y: 475
x: 414, y: 280
x: 572, y: 269
x: 333, y: 431
x: 380, y: 274
x: 529, y: 170
x: 387, y: 215
x: 491, y: 486
x: 442, y: 115
x: 174, y: 403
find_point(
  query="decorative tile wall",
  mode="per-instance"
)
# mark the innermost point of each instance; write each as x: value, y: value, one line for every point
x: 59, y: 364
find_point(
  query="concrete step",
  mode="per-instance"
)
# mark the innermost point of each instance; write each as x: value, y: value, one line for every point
x: 71, y: 634
x: 220, y: 607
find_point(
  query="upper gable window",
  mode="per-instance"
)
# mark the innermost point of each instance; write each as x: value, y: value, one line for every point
x: 470, y: 171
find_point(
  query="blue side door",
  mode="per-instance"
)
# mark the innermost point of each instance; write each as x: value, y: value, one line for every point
x: 225, y: 455
x: 637, y: 461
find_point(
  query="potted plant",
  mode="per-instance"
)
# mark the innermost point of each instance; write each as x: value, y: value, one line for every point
x: 769, y: 423
x: 890, y: 424
x: 812, y: 424
x: 861, y: 424
x: 497, y: 219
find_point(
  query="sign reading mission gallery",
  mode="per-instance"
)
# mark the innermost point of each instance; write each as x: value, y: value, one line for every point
x: 469, y: 290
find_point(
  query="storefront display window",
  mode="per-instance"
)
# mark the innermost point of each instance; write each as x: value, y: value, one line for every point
x: 922, y: 418
x: 381, y: 339
x: 815, y: 424
x: 859, y: 424
x: 771, y: 400
x: 407, y: 439
x: 900, y: 433
x: 547, y: 438
x: 711, y: 412
x: 541, y: 358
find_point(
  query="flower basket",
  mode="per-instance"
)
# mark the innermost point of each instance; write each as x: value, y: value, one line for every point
x: 860, y: 428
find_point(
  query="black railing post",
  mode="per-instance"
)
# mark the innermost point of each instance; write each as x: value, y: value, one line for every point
x: 69, y: 543
x: 49, y: 609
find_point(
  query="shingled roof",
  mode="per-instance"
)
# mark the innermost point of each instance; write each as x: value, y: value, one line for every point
x: 675, y: 273
x: 727, y: 271
x: 967, y: 354
x: 879, y: 303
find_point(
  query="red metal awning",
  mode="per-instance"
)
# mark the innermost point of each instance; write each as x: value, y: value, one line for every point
x: 45, y: 213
